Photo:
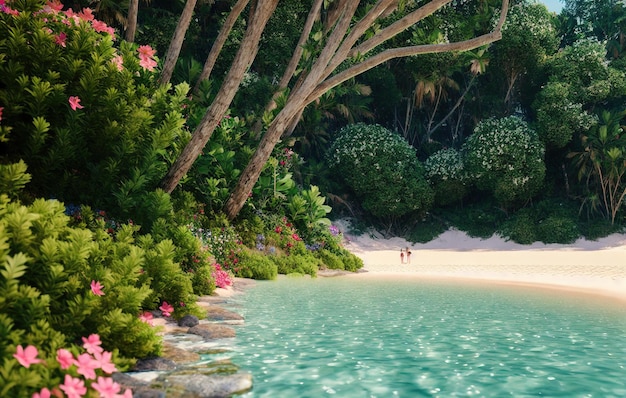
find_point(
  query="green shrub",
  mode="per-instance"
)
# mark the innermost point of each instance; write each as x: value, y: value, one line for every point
x: 505, y: 157
x: 296, y: 264
x: 88, y: 118
x: 256, y: 265
x: 382, y: 170
x: 446, y: 174
x: 521, y: 228
x: 351, y: 262
x: 557, y: 229
x: 330, y: 260
x: 167, y: 280
x: 49, y: 269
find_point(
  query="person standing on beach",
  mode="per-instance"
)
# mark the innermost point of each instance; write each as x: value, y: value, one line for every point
x: 408, y: 255
x: 401, y: 256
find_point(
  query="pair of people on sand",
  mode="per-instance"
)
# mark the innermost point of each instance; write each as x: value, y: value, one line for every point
x: 405, y: 256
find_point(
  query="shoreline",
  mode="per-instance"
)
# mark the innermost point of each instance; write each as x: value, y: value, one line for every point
x: 588, y: 267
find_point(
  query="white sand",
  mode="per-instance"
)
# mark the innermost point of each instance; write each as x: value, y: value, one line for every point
x: 597, y: 267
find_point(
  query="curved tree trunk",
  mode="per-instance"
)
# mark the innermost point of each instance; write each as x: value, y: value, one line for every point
x: 131, y: 20
x: 259, y: 16
x: 319, y: 79
x: 177, y: 42
x: 219, y: 42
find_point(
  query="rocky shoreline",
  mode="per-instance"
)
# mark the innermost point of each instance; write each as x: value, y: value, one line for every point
x: 181, y: 371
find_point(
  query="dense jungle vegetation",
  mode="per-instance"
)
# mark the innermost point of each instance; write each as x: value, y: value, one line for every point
x: 138, y: 170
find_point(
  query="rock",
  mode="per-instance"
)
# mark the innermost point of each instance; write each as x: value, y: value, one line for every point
x: 154, y: 363
x: 213, y: 386
x: 178, y: 355
x: 140, y: 388
x: 215, y: 313
x: 211, y: 331
x: 188, y: 321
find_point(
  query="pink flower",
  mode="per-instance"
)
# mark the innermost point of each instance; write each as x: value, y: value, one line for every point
x: 75, y: 103
x: 86, y: 14
x: 103, y: 361
x: 92, y: 344
x: 146, y: 317
x: 166, y: 309
x: 147, y: 63
x: 96, y: 288
x: 86, y: 366
x: 100, y: 26
x: 146, y: 51
x: 65, y: 358
x: 106, y: 387
x: 118, y: 61
x: 53, y: 6
x: 44, y: 393
x: 26, y: 357
x: 296, y: 237
x: 127, y: 394
x: 60, y: 40
x: 278, y: 230
x: 73, y: 387
x: 1, y: 109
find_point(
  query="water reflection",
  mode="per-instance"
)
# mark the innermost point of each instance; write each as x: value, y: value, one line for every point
x: 367, y: 338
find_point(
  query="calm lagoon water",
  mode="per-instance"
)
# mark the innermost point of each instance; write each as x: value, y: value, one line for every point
x: 350, y: 337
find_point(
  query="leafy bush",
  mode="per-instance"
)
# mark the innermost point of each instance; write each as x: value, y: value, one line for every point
x: 88, y: 118
x: 505, y: 157
x: 557, y: 229
x: 60, y: 283
x: 330, y: 260
x: 382, y: 170
x: 296, y: 264
x: 446, y: 174
x: 521, y: 228
x: 256, y: 266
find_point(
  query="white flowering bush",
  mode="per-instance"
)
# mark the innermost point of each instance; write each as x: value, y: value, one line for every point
x: 381, y: 169
x: 445, y: 172
x: 505, y: 157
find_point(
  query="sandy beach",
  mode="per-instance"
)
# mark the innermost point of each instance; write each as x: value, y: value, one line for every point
x: 597, y: 267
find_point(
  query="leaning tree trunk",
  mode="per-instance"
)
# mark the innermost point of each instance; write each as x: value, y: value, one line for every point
x: 219, y: 42
x: 339, y: 46
x: 259, y: 16
x: 177, y: 42
x: 131, y: 20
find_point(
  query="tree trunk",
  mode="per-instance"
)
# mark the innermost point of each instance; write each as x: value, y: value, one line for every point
x: 219, y: 42
x: 177, y: 41
x: 319, y: 80
x: 131, y: 20
x: 259, y: 16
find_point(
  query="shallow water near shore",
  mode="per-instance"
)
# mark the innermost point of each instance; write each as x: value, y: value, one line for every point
x: 350, y: 337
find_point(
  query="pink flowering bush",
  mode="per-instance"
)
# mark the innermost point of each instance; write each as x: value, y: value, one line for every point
x: 84, y: 110
x: 72, y: 373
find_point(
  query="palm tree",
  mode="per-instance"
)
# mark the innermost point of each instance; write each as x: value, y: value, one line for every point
x: 602, y: 162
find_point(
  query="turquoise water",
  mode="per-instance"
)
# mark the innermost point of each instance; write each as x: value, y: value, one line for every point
x: 349, y: 337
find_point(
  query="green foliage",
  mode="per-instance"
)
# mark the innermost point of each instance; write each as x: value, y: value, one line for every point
x: 505, y: 157
x: 256, y: 265
x: 382, y: 170
x: 307, y: 208
x: 549, y: 221
x: 305, y: 264
x: 446, y: 174
x: 13, y: 178
x: 558, y: 118
x: 47, y: 271
x: 601, y: 163
x: 165, y: 277
x: 216, y: 171
x: 109, y: 150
